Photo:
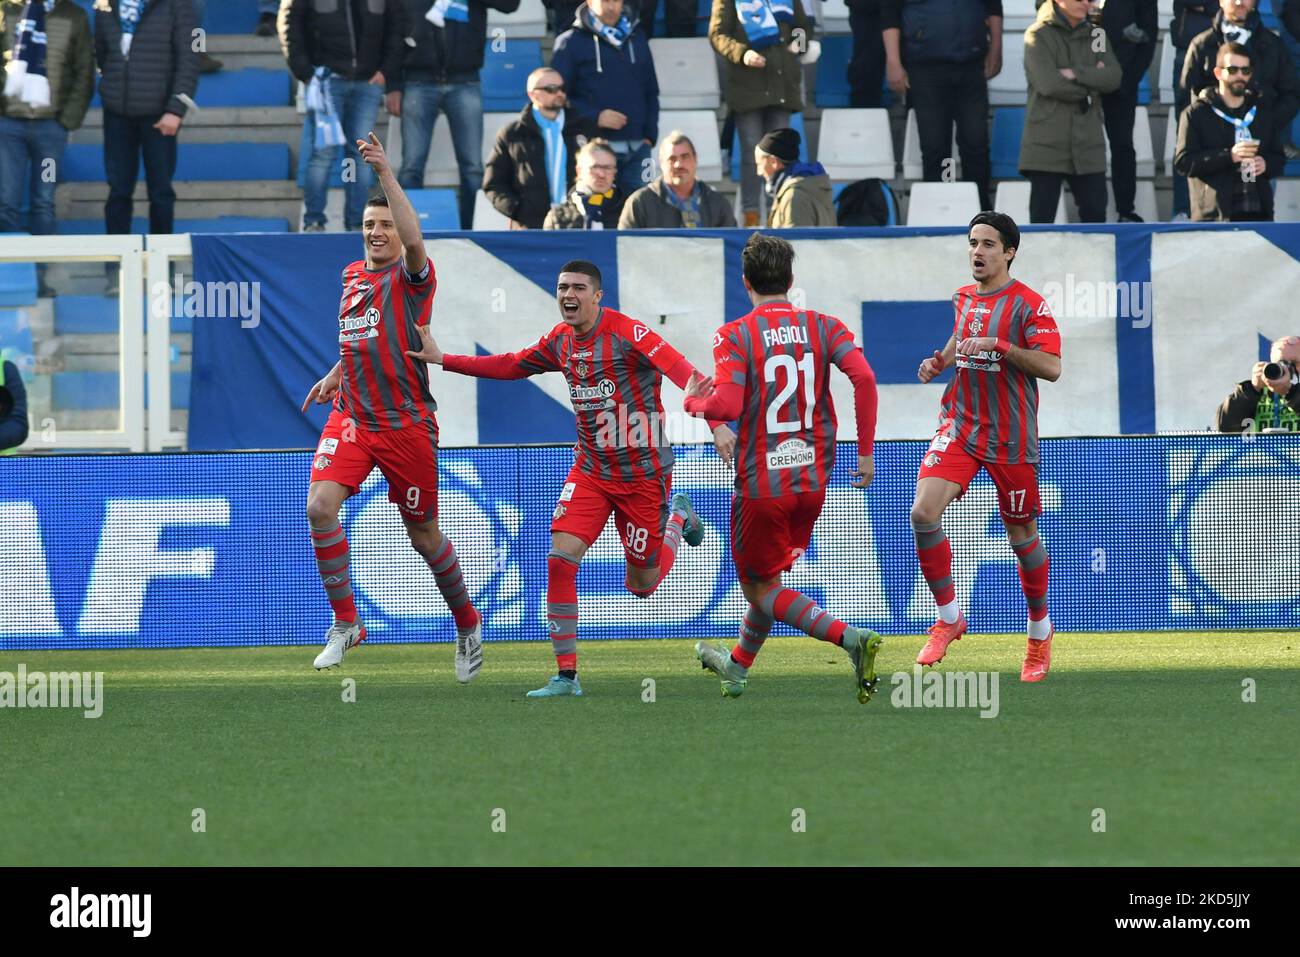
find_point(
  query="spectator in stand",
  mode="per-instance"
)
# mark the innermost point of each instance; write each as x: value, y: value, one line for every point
x: 144, y: 116
x: 1191, y: 17
x: 594, y: 202
x: 1261, y: 403
x: 867, y: 65
x: 349, y: 53
x: 763, y: 74
x: 1063, y: 136
x: 13, y: 408
x: 440, y: 73
x: 1273, y: 77
x: 1230, y: 146
x: 677, y: 200
x: 532, y: 166
x: 1290, y: 17
x: 52, y: 81
x: 1130, y: 27
x: 945, y: 74
x: 266, y: 11
x: 676, y: 13
x: 609, y: 75
x: 800, y: 192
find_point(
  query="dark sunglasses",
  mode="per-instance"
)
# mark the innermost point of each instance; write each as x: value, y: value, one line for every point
x: 551, y: 88
x: 1233, y: 70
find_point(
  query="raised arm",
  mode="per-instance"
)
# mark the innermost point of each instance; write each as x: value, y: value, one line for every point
x: 405, y: 219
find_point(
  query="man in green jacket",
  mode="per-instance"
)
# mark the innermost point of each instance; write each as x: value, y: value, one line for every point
x: 800, y: 192
x: 1064, y: 137
x: 47, y: 91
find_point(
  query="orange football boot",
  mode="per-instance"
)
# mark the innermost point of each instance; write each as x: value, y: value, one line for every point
x: 942, y: 635
x: 1038, y: 658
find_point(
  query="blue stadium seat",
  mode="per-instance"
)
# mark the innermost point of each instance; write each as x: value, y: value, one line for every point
x: 247, y: 87
x: 436, y: 208
x: 1267, y: 15
x: 833, y: 72
x: 1144, y: 91
x: 702, y: 10
x: 17, y: 284
x: 505, y: 74
x: 85, y: 315
x: 99, y: 390
x: 796, y: 123
x: 84, y: 162
x: 219, y: 224
x: 1008, y: 126
x: 15, y: 333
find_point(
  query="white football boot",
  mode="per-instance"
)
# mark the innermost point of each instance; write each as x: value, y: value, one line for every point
x: 469, y: 653
x: 341, y: 636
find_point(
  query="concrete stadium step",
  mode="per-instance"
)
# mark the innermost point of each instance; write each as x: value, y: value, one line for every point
x: 244, y: 52
x: 270, y: 198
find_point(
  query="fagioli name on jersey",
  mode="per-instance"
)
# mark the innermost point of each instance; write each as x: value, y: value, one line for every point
x: 356, y: 328
x: 784, y: 336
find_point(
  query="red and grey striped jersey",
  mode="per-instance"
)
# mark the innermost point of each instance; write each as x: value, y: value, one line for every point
x: 782, y: 357
x: 614, y: 375
x: 990, y: 406
x: 382, y: 387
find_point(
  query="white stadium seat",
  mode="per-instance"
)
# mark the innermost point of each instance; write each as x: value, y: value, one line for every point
x: 492, y: 124
x: 1286, y: 201
x: 528, y: 22
x: 856, y: 144
x: 1146, y: 157
x: 1144, y: 202
x: 688, y: 74
x: 1166, y: 78
x: 834, y: 17
x: 912, y: 166
x: 942, y: 204
x: 1008, y: 88
x: 1013, y: 199
x: 702, y: 127
x: 486, y: 216
x: 1018, y: 15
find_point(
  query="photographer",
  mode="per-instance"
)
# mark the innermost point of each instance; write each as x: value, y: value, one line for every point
x: 1270, y: 398
x: 13, y: 408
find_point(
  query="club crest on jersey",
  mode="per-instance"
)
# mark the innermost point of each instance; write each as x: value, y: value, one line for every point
x: 322, y: 462
x: 792, y: 454
x: 976, y: 326
x: 581, y: 370
x: 931, y: 460
x: 356, y: 328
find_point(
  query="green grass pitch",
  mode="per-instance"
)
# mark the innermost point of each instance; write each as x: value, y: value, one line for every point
x: 1150, y: 728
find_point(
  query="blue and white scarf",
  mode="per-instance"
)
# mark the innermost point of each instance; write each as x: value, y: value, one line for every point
x: 1242, y: 125
x: 444, y: 10
x: 320, y: 101
x: 25, y: 77
x: 557, y: 154
x: 688, y: 207
x: 129, y: 13
x: 615, y: 36
x: 759, y: 20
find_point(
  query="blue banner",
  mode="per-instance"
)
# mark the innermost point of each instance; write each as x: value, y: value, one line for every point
x: 1187, y: 532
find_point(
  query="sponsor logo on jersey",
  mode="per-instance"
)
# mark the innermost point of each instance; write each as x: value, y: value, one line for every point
x: 1043, y: 310
x: 328, y: 446
x: 985, y: 361
x: 356, y: 328
x: 784, y: 336
x: 980, y: 310
x: 792, y: 454
x: 566, y: 493
x: 322, y: 462
x: 941, y: 443
x: 585, y: 393
x: 639, y: 332
x: 581, y: 355
x: 718, y: 340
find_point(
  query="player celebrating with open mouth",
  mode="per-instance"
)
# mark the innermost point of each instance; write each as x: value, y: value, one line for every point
x: 773, y: 374
x: 614, y: 366
x: 1004, y: 340
x: 384, y: 415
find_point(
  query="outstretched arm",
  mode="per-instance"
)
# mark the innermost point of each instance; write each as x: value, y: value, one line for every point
x: 510, y: 365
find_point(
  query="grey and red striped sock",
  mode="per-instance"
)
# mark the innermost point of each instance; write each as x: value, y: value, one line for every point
x: 799, y: 611
x: 332, y: 560
x: 753, y: 632
x: 562, y: 608
x: 451, y: 582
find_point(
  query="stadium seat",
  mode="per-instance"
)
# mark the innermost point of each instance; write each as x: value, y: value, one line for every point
x: 247, y: 87
x: 486, y: 217
x: 1268, y: 16
x: 702, y: 9
x: 856, y: 144
x: 84, y: 162
x: 1165, y: 84
x: 942, y: 204
x: 15, y: 333
x: 17, y: 284
x: 834, y: 19
x: 529, y: 21
x: 1144, y: 202
x: 505, y: 73
x: 1146, y: 159
x: 1013, y: 199
x: 688, y: 76
x: 90, y: 391
x: 436, y: 208
x: 1018, y: 15
x: 1286, y: 201
x: 86, y: 315
x: 492, y: 124
x: 1144, y: 91
x: 796, y: 123
x: 1008, y: 87
x: 833, y: 72
x: 702, y: 128
x: 1004, y: 147
x: 1171, y: 141
x: 218, y: 224
x: 912, y: 166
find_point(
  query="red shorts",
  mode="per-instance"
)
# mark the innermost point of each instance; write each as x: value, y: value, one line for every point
x: 408, y: 458
x: 1016, y: 482
x: 640, y: 512
x: 768, y: 535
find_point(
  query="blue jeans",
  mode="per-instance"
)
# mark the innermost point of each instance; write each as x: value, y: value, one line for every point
x: 463, y: 104
x: 35, y: 145
x: 357, y: 103
x: 634, y: 168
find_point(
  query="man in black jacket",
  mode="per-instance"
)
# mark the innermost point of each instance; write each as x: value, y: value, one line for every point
x: 143, y: 112
x: 1229, y: 146
x: 351, y: 52
x: 532, y: 164
x: 1130, y: 27
x: 1191, y: 18
x: 440, y: 73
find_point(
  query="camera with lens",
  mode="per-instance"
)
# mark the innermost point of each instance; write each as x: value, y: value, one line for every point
x: 1279, y: 370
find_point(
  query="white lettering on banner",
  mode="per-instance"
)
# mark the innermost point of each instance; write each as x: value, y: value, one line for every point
x: 129, y: 558
x: 967, y: 525
x: 28, y: 598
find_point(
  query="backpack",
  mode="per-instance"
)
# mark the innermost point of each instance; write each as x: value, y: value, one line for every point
x: 868, y: 202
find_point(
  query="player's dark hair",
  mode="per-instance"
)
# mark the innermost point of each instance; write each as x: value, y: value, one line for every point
x: 1004, y: 224
x: 768, y: 264
x: 377, y: 198
x: 586, y: 268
